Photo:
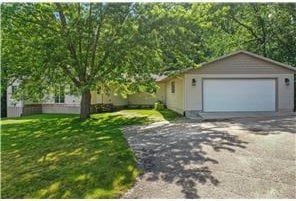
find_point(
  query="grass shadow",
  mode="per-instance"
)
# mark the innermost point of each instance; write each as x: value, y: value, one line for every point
x: 170, y: 115
x: 58, y: 156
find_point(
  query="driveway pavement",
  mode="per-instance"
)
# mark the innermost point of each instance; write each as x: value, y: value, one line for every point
x: 243, y: 158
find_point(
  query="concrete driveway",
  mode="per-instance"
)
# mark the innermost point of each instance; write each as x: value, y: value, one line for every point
x: 243, y: 158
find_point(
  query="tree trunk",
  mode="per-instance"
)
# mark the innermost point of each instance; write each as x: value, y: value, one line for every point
x: 3, y: 102
x: 85, y: 105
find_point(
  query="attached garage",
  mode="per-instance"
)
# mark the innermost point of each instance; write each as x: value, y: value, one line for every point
x: 239, y: 95
x: 238, y: 82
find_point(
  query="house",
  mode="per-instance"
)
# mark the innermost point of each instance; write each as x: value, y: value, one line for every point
x: 238, y: 82
x: 64, y: 101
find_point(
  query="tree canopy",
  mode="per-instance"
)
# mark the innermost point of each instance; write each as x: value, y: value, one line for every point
x: 124, y: 44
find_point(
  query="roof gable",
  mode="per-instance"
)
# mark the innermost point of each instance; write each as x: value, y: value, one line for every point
x: 240, y: 62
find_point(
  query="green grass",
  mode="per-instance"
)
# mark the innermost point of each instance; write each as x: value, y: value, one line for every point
x: 152, y: 115
x: 58, y: 156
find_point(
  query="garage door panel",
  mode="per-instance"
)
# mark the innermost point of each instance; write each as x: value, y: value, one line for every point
x: 239, y: 95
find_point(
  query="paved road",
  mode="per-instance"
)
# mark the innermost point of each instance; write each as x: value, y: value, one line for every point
x: 244, y: 158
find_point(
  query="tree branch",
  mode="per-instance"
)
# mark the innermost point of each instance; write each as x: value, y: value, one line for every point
x: 89, y: 34
x: 79, y: 29
x: 244, y: 25
x: 71, y: 76
x: 102, y: 61
x: 97, y: 35
x: 70, y: 44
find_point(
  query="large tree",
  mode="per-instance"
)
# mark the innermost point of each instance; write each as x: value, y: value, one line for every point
x: 92, y: 43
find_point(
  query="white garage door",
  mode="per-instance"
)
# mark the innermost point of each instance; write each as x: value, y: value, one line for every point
x: 241, y: 95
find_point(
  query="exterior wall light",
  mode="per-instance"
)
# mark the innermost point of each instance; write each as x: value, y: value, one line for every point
x: 193, y: 82
x: 287, y: 81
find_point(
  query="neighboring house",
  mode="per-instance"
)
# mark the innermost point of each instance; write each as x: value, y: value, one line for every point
x: 63, y: 102
x: 60, y: 102
x: 238, y: 82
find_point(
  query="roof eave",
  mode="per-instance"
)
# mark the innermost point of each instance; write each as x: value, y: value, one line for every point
x: 229, y: 55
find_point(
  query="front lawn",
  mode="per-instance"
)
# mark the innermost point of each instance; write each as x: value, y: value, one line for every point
x: 152, y: 115
x: 58, y: 156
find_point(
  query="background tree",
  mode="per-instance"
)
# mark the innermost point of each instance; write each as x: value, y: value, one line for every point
x: 265, y: 29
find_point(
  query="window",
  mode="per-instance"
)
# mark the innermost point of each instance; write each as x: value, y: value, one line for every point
x: 193, y: 82
x: 13, y: 89
x: 62, y: 95
x: 173, y: 87
x: 59, y: 96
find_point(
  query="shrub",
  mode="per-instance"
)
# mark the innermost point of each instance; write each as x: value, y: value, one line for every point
x: 158, y: 105
x: 102, y: 107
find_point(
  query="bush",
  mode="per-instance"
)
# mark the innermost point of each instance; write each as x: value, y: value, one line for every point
x: 102, y: 107
x: 158, y: 106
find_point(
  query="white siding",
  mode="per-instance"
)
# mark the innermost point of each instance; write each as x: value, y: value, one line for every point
x: 175, y: 101
x: 69, y: 99
x: 10, y: 101
x: 14, y: 111
x: 116, y: 100
x: 143, y: 98
x: 14, y: 107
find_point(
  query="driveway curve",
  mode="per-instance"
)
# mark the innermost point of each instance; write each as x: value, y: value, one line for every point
x: 243, y: 158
